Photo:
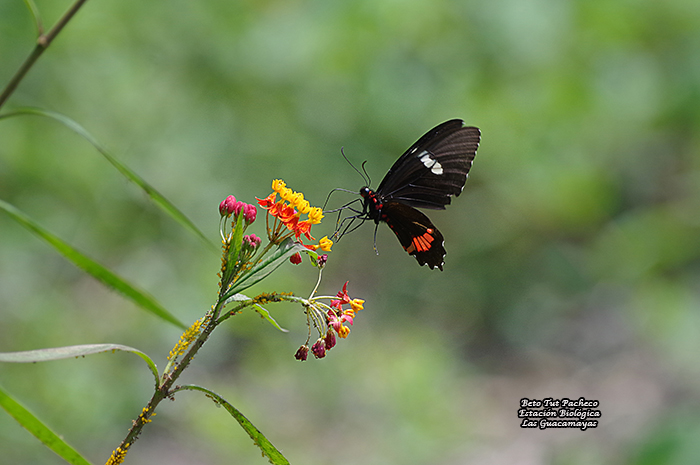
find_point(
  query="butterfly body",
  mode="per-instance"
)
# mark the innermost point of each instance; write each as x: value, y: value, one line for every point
x: 427, y: 175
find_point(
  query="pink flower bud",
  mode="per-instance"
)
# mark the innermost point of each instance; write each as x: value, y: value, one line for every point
x: 251, y: 240
x: 237, y: 208
x: 226, y: 205
x: 249, y: 213
x: 255, y: 240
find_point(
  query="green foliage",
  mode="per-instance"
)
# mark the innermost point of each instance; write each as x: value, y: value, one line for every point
x: 573, y: 252
x: 268, y: 450
x: 40, y: 430
x: 90, y: 266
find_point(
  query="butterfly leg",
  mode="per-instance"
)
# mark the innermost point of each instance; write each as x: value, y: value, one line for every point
x: 342, y: 229
x: 375, y: 238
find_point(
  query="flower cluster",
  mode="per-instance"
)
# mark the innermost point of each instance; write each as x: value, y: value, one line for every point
x: 329, y: 316
x: 287, y: 213
x: 230, y: 206
x: 329, y: 320
x: 251, y: 242
x: 237, y: 257
x: 337, y: 315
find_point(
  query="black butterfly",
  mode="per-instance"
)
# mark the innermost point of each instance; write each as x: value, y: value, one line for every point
x: 430, y: 172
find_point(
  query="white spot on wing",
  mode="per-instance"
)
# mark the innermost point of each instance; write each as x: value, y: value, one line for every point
x: 432, y: 164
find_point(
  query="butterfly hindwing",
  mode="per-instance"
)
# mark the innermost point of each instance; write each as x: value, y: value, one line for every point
x: 434, y: 168
x: 416, y: 233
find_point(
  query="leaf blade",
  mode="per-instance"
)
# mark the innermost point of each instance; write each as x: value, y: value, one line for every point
x: 99, y: 272
x: 267, y: 266
x: 270, y: 451
x: 42, y: 432
x: 265, y: 314
x: 164, y: 204
x: 59, y: 353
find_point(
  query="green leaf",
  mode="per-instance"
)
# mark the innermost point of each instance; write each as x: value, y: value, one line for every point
x: 266, y: 315
x: 42, y: 432
x: 36, y: 15
x: 273, y: 455
x: 107, y: 277
x: 163, y: 203
x: 260, y: 271
x: 58, y: 353
x: 313, y: 255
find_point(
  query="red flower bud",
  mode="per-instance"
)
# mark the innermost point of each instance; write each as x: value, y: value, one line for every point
x: 329, y: 340
x: 295, y: 259
x: 302, y: 353
x: 319, y: 349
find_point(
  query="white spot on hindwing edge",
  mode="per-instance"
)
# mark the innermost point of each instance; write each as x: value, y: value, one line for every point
x: 432, y: 164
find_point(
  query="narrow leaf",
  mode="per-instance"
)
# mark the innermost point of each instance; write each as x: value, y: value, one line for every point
x: 107, y: 277
x: 260, y: 271
x: 266, y: 315
x: 58, y: 353
x: 36, y: 15
x: 273, y: 455
x: 42, y: 432
x: 163, y: 203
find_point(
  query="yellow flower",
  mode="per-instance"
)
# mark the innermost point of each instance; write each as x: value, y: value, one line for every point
x: 343, y: 331
x: 289, y: 210
x: 303, y: 206
x: 357, y: 304
x: 315, y: 215
x: 278, y: 185
x: 287, y: 194
x: 325, y: 244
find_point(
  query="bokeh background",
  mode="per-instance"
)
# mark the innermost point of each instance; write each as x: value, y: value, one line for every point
x: 573, y: 264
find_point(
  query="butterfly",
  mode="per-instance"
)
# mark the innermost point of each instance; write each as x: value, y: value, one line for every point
x: 427, y: 175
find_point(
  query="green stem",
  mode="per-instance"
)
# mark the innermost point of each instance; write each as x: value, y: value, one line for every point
x: 164, y: 390
x: 42, y: 44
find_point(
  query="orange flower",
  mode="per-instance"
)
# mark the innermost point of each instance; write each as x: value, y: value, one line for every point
x: 288, y: 211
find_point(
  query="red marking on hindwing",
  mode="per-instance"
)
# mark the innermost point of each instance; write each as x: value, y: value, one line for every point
x: 421, y: 243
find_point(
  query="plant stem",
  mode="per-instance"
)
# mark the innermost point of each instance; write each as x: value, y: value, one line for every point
x: 42, y: 43
x: 163, y: 390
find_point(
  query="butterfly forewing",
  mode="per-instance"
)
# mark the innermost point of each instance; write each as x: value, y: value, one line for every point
x: 416, y: 233
x: 434, y: 168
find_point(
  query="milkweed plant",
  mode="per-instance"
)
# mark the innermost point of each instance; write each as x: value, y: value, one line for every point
x: 246, y: 259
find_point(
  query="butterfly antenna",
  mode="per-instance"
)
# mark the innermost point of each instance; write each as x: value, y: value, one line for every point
x: 365, y: 178
x: 369, y: 180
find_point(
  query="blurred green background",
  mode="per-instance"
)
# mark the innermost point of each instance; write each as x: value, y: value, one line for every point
x: 573, y: 264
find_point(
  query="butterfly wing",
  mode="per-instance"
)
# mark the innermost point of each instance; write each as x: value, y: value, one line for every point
x: 416, y: 233
x: 434, y: 168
